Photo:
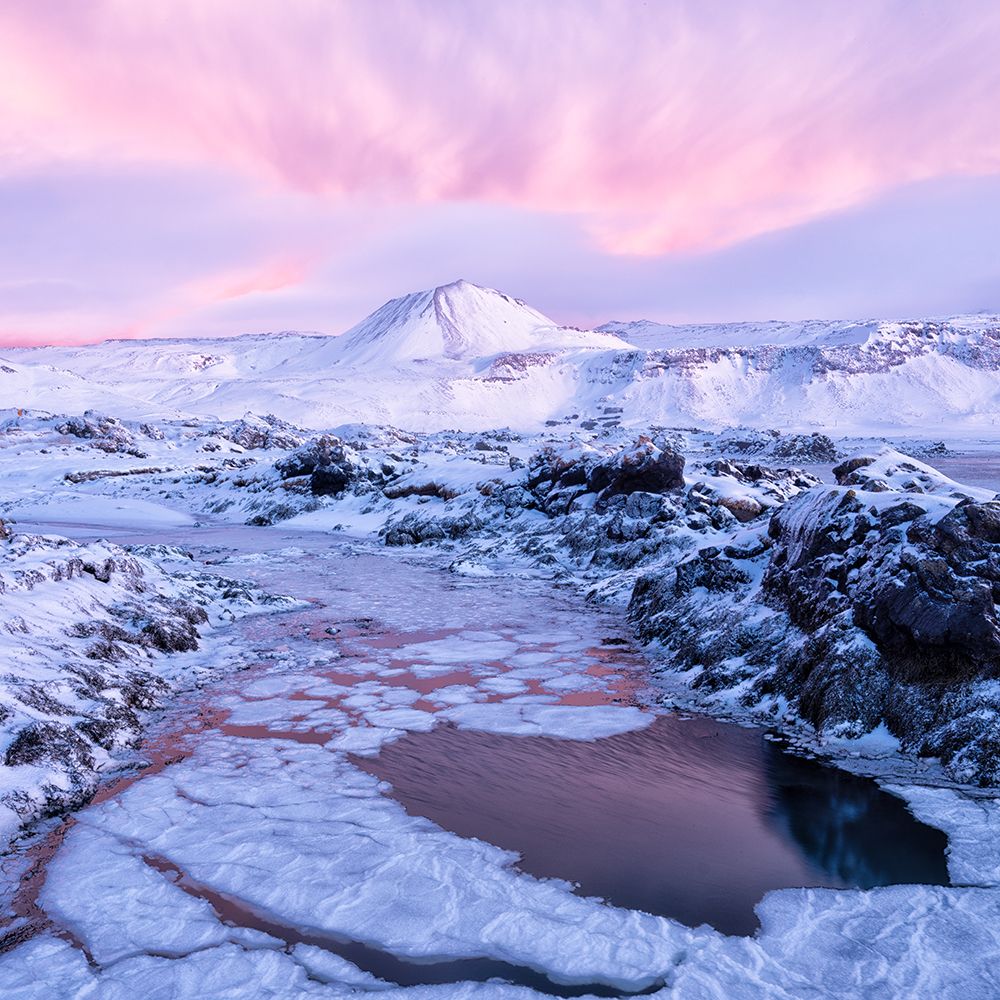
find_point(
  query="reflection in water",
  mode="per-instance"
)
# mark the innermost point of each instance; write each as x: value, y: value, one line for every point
x: 850, y: 829
x: 693, y: 819
x: 689, y: 818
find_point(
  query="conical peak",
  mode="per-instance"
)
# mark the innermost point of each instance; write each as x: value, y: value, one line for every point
x: 458, y: 321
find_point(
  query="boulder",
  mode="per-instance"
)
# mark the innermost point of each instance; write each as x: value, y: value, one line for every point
x: 644, y: 468
x: 321, y: 451
x: 330, y: 480
x: 254, y: 433
x: 327, y: 462
x: 743, y: 508
x: 843, y: 472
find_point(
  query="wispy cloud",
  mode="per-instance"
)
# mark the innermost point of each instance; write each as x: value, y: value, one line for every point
x: 672, y: 128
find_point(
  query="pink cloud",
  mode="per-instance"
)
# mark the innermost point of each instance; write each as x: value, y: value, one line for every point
x: 195, y: 296
x: 271, y: 276
x: 158, y: 314
x: 677, y: 126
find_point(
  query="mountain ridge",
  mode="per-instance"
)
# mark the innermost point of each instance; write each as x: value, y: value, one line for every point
x: 473, y: 358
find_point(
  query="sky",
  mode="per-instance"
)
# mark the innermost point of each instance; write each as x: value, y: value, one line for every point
x: 192, y: 168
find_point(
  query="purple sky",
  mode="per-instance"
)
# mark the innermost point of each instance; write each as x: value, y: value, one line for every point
x: 176, y: 167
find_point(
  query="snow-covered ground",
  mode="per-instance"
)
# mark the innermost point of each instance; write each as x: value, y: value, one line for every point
x: 464, y: 356
x: 93, y: 637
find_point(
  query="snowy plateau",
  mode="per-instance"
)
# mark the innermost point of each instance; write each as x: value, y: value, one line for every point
x: 237, y: 575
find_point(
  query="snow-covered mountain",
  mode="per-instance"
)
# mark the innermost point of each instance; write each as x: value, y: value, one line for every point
x: 470, y: 357
x: 448, y: 356
x: 461, y: 322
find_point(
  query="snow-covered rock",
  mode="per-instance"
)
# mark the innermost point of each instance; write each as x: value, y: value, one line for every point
x: 602, y: 507
x: 865, y: 605
x: 91, y: 636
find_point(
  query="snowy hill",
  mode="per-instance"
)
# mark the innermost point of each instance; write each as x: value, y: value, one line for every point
x: 30, y: 381
x: 459, y: 321
x: 937, y: 376
x: 462, y: 356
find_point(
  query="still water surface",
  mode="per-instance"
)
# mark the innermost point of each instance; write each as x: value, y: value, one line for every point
x: 689, y: 818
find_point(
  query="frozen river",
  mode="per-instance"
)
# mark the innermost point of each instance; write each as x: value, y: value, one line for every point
x: 425, y: 778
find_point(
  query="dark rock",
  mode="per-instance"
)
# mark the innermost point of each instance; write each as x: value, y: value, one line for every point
x: 42, y: 741
x: 983, y: 520
x: 99, y: 571
x: 715, y: 573
x: 273, y: 514
x: 644, y: 505
x: 327, y: 463
x: 900, y: 513
x: 969, y: 746
x: 171, y: 637
x: 320, y: 452
x: 749, y: 549
x: 330, y: 480
x: 415, y: 529
x: 92, y: 475
x: 645, y: 469
x: 105, y: 433
x: 806, y: 448
x: 424, y: 489
x: 933, y: 607
x: 843, y: 471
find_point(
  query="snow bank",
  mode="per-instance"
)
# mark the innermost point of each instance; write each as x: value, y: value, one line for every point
x: 92, y: 636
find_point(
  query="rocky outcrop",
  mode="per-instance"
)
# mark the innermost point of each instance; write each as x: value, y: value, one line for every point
x: 644, y: 468
x: 423, y: 488
x: 889, y: 470
x: 871, y: 606
x: 330, y: 465
x: 813, y: 447
x: 603, y: 509
x: 597, y: 519
x: 774, y: 444
x: 748, y: 490
x: 921, y: 585
x: 317, y: 453
x: 105, y: 433
x: 73, y: 694
x: 415, y: 529
x: 556, y: 479
x: 253, y: 433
